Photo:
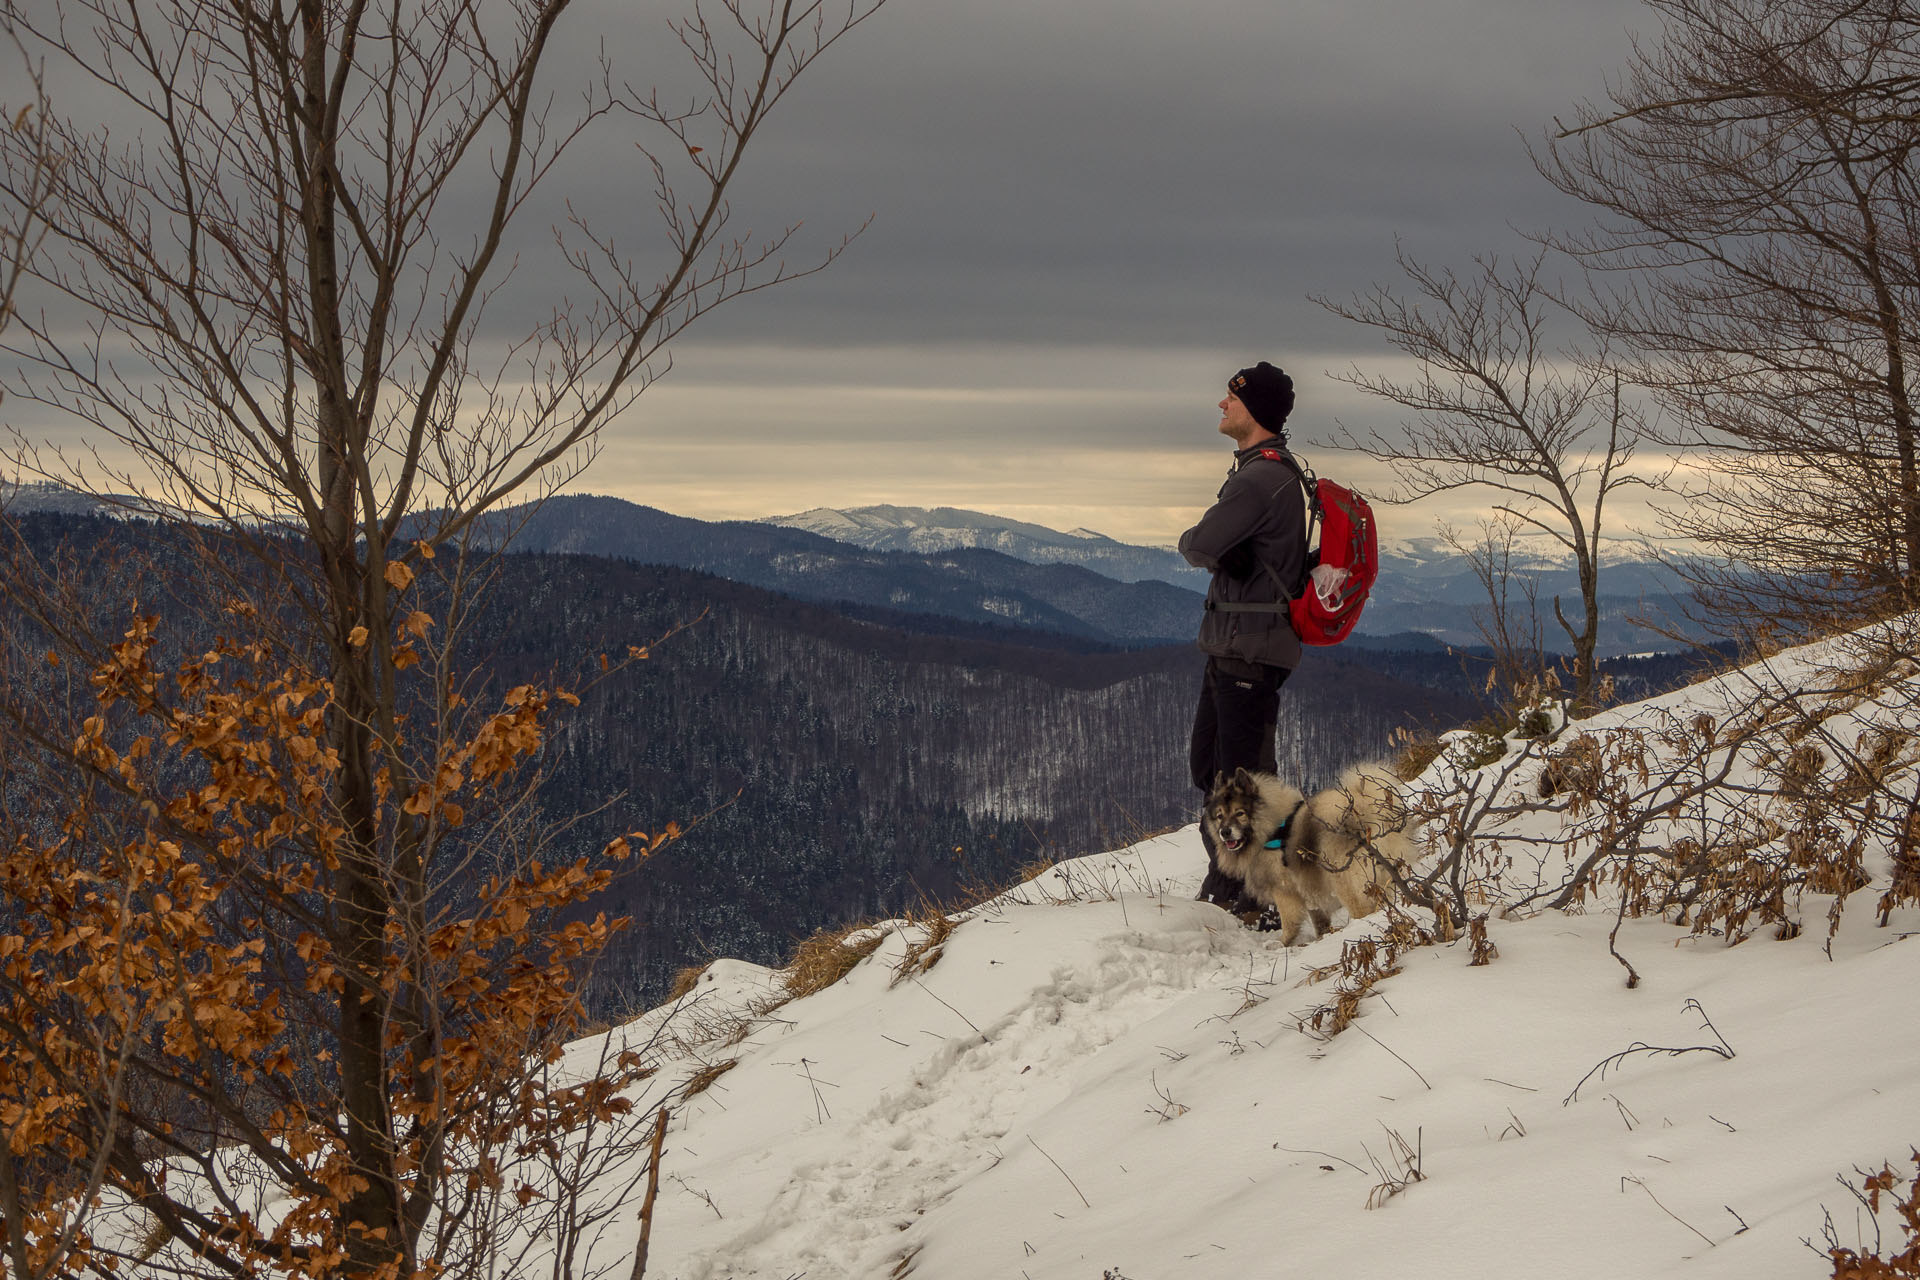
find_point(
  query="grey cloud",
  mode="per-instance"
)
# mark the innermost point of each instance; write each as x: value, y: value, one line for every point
x: 1130, y: 173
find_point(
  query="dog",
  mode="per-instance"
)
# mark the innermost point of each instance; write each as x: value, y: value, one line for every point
x: 1306, y: 856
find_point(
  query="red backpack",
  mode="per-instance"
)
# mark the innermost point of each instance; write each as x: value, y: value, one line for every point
x: 1349, y: 540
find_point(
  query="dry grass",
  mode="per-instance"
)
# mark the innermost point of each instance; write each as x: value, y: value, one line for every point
x: 1034, y: 870
x: 1400, y: 1170
x: 1415, y: 754
x: 700, y: 1024
x: 1578, y: 769
x: 686, y: 980
x: 748, y: 1026
x: 152, y: 1240
x: 1364, y: 961
x: 702, y: 1080
x: 830, y: 955
x: 935, y: 927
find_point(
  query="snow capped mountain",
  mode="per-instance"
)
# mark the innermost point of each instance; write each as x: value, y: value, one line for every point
x: 932, y: 530
x: 894, y: 528
x: 1428, y: 569
x: 47, y: 496
x: 1416, y: 563
x: 1094, y: 1075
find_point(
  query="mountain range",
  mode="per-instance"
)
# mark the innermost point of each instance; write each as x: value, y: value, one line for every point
x: 946, y: 565
x: 45, y: 497
x: 948, y: 570
x: 1427, y: 593
x: 969, y: 584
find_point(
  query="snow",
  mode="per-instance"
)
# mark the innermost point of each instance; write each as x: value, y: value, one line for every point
x: 930, y: 531
x: 1101, y: 1075
x: 1138, y: 1096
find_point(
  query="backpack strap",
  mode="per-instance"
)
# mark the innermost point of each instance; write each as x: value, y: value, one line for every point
x: 1309, y: 486
x: 1283, y: 605
x: 1309, y: 490
x: 1309, y: 483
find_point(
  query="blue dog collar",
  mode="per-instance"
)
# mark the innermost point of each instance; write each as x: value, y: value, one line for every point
x: 1279, y: 840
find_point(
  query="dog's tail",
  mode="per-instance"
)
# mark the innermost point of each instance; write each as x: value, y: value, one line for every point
x: 1375, y: 800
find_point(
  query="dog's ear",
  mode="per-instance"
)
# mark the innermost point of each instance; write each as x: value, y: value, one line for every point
x: 1241, y: 777
x: 1219, y: 779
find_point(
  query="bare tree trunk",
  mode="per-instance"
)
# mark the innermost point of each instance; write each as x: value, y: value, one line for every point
x: 1546, y: 434
x: 1755, y: 174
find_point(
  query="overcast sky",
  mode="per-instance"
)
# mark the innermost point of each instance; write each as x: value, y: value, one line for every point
x: 1086, y: 215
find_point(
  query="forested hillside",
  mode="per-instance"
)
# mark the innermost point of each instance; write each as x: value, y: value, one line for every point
x: 838, y: 768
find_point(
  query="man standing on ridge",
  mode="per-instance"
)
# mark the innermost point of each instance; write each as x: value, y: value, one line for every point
x: 1253, y: 539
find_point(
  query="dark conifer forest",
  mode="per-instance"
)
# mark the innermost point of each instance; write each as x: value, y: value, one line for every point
x: 836, y: 767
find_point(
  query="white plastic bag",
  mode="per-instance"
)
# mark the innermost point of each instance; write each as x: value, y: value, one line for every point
x: 1327, y: 581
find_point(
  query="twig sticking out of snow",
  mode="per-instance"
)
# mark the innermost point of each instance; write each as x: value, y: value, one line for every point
x: 1406, y: 1167
x: 1309, y: 1151
x: 1402, y: 1061
x: 956, y: 1013
x: 1063, y: 1173
x: 1169, y: 1109
x: 1670, y: 1213
x: 1607, y: 1063
x: 820, y: 1112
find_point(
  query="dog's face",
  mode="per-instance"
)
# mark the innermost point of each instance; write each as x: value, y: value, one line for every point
x: 1230, y: 811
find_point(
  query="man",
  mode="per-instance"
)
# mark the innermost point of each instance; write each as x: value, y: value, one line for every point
x: 1253, y: 539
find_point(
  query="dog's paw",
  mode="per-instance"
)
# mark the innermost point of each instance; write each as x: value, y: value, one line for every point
x: 1266, y: 921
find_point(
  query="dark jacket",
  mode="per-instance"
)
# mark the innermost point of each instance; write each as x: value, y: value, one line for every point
x: 1256, y: 524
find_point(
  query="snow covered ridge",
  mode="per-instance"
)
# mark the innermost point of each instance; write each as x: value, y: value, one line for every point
x: 930, y: 531
x: 1091, y: 1074
x: 22, y: 498
x: 1100, y: 1075
x: 938, y: 529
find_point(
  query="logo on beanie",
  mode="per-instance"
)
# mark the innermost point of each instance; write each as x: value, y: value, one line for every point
x: 1267, y: 393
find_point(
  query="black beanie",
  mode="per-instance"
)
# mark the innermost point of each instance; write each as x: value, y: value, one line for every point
x: 1267, y: 393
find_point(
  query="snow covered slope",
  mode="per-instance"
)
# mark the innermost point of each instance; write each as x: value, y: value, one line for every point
x: 1102, y: 1077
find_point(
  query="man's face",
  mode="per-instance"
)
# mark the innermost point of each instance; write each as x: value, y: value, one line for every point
x: 1235, y: 422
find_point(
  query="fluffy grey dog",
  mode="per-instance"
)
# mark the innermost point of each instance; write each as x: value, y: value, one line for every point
x: 1306, y: 856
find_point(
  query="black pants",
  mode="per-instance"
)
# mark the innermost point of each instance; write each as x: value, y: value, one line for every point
x: 1232, y: 729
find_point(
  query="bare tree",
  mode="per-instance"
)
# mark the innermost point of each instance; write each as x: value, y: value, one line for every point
x: 1510, y: 623
x: 1755, y: 177
x: 23, y: 228
x: 271, y: 242
x: 1498, y: 406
